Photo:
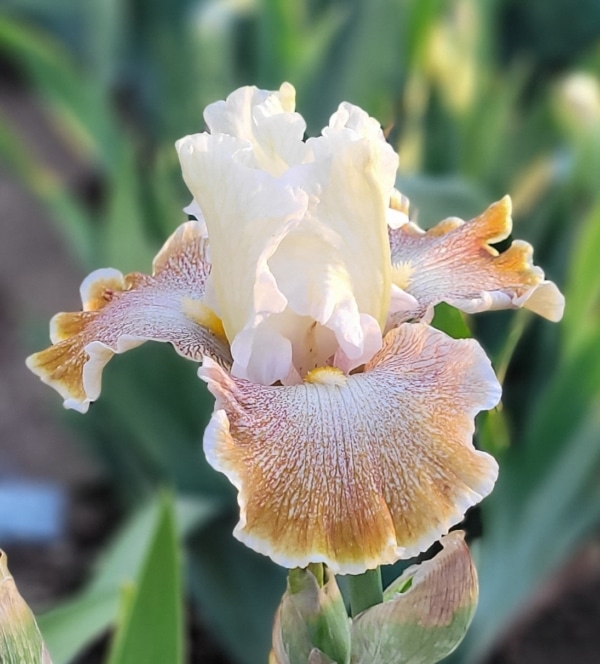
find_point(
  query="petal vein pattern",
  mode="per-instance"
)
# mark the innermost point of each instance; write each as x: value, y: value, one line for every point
x: 454, y: 262
x: 121, y: 312
x: 359, y: 470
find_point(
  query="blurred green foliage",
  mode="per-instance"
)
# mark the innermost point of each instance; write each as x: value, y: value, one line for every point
x: 481, y: 98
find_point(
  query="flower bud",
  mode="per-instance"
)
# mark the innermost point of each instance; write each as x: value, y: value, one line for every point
x: 425, y: 613
x: 20, y: 638
x: 578, y: 102
x: 311, y: 624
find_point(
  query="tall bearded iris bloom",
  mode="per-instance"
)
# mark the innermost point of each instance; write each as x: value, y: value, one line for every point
x: 342, y: 418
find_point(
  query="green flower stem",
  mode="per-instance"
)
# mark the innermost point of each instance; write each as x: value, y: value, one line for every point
x: 365, y: 590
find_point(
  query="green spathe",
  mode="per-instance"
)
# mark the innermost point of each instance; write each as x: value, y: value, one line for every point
x: 425, y: 613
x: 311, y: 625
x: 20, y: 638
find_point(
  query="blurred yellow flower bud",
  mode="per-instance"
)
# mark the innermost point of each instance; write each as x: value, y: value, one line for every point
x: 578, y: 101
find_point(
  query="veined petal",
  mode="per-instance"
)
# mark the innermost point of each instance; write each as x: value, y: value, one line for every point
x: 267, y: 121
x: 454, y: 262
x: 122, y: 311
x: 356, y: 471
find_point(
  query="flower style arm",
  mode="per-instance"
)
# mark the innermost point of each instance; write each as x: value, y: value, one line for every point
x: 455, y: 262
x: 121, y: 312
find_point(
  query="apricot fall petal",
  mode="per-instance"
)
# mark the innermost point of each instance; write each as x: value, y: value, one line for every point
x: 356, y: 471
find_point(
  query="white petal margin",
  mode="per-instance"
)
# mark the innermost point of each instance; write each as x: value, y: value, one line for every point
x: 454, y: 262
x: 267, y: 121
x: 121, y: 312
x: 356, y: 471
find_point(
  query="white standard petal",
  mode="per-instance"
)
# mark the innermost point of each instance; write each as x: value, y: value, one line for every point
x: 307, y: 243
x: 333, y: 267
x: 247, y: 212
x: 267, y: 121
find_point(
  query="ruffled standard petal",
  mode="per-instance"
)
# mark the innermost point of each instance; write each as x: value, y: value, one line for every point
x: 310, y: 245
x: 121, y: 312
x: 356, y: 471
x: 454, y: 262
x: 333, y: 267
x: 267, y: 121
x: 247, y: 212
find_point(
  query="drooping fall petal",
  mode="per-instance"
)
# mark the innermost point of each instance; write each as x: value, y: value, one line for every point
x: 121, y: 312
x: 454, y: 262
x: 356, y: 471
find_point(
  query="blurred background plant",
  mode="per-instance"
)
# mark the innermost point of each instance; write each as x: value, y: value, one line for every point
x: 481, y: 98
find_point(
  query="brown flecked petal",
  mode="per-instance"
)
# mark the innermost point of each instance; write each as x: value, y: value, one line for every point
x: 121, y: 312
x: 454, y: 262
x: 356, y: 471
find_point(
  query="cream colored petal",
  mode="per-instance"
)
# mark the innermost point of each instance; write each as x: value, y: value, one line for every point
x: 311, y: 244
x: 247, y: 213
x: 356, y: 471
x: 267, y: 121
x: 545, y: 300
x: 319, y: 280
x: 120, y: 312
x: 353, y: 178
x: 332, y: 268
x: 454, y: 262
x: 284, y: 347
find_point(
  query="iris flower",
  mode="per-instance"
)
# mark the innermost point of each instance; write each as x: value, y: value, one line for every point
x: 342, y: 418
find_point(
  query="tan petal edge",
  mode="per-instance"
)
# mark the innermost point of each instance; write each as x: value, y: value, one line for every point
x: 121, y: 312
x: 361, y: 472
